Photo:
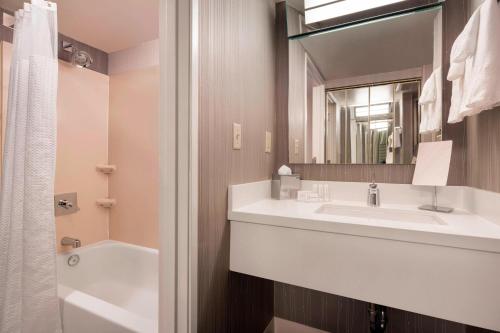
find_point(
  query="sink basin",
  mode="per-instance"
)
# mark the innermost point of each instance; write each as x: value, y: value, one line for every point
x: 398, y: 215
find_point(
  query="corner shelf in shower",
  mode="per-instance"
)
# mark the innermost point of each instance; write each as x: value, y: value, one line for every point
x: 106, y: 169
x: 106, y: 203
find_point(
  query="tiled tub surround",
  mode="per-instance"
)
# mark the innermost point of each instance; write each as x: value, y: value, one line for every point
x: 444, y: 271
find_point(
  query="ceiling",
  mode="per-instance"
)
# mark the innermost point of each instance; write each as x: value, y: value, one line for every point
x: 109, y: 25
x: 389, y: 45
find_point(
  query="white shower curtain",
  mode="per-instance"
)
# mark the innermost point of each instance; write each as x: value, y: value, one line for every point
x: 28, y: 285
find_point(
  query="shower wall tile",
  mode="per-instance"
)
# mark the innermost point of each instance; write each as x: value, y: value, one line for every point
x: 82, y: 143
x: 133, y: 148
x: 142, y: 56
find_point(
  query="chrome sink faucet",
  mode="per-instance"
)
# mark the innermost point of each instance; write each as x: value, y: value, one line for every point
x: 373, y: 199
x: 73, y: 242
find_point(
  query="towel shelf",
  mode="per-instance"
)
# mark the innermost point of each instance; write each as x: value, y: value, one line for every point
x: 106, y: 169
x: 106, y: 203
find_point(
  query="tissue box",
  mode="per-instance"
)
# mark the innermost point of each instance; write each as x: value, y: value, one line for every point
x: 285, y: 187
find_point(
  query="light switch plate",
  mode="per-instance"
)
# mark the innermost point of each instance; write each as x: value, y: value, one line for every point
x: 296, y: 145
x: 236, y: 136
x: 268, y: 142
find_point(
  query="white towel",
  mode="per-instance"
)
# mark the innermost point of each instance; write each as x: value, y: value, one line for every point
x: 431, y: 103
x: 461, y: 61
x: 484, y: 90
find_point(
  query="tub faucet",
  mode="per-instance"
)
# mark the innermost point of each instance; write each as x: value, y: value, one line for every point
x: 373, y: 195
x: 73, y: 242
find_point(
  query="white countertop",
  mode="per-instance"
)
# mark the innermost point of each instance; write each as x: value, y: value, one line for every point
x: 461, y: 229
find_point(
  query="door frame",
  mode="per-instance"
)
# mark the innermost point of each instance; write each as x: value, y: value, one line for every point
x: 178, y: 209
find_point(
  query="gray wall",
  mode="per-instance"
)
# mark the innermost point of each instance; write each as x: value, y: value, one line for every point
x: 237, y: 84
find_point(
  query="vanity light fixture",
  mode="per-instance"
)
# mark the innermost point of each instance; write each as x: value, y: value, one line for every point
x: 320, y: 10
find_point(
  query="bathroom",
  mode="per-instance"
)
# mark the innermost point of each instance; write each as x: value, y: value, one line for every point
x: 250, y: 166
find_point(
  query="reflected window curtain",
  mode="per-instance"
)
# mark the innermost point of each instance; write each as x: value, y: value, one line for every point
x: 359, y: 143
x: 382, y: 147
x: 28, y: 279
x: 353, y: 131
x: 348, y: 157
x: 366, y: 149
x: 374, y: 146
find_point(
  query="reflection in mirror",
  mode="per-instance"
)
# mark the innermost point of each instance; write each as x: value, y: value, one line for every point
x: 364, y: 125
x: 354, y: 92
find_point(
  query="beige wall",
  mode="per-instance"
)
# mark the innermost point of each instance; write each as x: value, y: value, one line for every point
x: 237, y: 85
x: 4, y: 77
x: 82, y: 143
x: 133, y: 148
x: 86, y: 99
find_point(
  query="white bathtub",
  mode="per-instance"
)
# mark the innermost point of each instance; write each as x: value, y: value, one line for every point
x: 113, y: 289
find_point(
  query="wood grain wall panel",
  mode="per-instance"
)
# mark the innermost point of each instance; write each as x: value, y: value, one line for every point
x: 455, y: 16
x: 483, y: 150
x: 252, y: 305
x: 237, y: 85
x: 333, y: 313
x: 399, y: 174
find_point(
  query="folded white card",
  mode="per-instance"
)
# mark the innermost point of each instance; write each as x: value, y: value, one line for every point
x: 433, y: 163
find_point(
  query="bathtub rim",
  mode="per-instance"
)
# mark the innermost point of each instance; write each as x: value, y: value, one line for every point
x: 99, y: 307
x: 107, y: 243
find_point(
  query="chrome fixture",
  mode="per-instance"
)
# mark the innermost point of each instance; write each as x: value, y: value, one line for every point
x: 65, y: 204
x: 373, y: 199
x: 73, y: 242
x: 79, y: 58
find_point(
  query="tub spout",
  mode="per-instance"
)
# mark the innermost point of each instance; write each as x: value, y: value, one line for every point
x: 73, y: 242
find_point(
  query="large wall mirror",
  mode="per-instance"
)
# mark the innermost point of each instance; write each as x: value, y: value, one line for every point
x: 354, y: 90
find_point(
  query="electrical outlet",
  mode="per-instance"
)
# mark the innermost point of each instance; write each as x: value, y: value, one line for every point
x: 236, y: 136
x: 296, y: 147
x: 268, y: 141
